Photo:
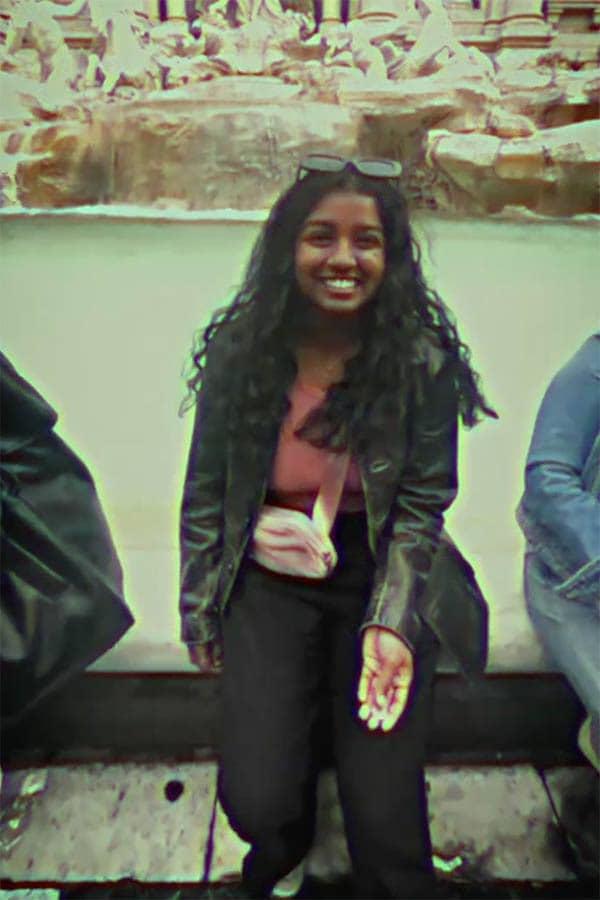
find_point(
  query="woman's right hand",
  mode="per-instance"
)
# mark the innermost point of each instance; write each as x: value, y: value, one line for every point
x: 206, y: 657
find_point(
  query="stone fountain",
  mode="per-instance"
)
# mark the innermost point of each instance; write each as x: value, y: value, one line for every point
x: 492, y: 106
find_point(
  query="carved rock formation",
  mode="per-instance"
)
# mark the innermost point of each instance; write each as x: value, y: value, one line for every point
x: 552, y: 172
x: 233, y: 155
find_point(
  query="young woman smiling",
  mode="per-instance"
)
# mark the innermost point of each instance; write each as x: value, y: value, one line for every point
x: 333, y: 349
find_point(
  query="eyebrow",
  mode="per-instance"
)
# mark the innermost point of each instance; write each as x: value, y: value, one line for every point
x: 362, y: 226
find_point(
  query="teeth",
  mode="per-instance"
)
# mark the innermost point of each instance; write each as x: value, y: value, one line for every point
x: 341, y: 283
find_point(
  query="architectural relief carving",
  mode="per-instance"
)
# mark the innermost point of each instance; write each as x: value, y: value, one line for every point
x: 32, y: 25
x: 123, y: 59
x: 493, y: 104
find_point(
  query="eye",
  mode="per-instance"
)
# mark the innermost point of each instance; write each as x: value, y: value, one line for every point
x: 368, y: 240
x: 318, y: 237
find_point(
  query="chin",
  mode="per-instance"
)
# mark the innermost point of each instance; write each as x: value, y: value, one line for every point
x: 342, y: 310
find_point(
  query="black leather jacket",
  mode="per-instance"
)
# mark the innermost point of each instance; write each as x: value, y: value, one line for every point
x: 407, y: 483
x: 61, y: 603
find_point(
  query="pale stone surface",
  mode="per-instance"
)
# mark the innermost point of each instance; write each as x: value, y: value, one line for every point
x: 138, y: 108
x: 498, y: 820
x: 108, y: 822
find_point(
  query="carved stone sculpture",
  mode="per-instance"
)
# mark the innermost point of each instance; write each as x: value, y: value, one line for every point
x: 33, y: 22
x: 437, y: 47
x: 184, y: 59
x: 123, y: 60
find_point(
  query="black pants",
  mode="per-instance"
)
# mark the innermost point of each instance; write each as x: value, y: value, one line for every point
x: 291, y: 646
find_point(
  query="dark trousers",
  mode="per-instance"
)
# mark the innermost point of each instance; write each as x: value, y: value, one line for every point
x: 292, y: 656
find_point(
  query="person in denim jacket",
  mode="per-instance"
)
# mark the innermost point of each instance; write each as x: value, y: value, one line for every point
x: 560, y: 516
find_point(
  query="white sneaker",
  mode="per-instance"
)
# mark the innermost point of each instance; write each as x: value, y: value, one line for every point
x: 291, y: 883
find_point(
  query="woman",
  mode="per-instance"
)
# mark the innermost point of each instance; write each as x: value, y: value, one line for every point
x: 332, y: 344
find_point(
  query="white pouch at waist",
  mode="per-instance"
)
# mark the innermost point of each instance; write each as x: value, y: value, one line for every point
x: 290, y: 542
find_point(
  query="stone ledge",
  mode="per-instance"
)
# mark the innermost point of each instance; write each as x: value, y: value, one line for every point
x: 131, y: 213
x: 502, y: 719
x: 107, y: 822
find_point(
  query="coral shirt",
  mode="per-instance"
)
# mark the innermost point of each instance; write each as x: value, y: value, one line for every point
x: 298, y: 467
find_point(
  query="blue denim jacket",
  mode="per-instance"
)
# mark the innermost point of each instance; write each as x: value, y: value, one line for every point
x: 559, y: 512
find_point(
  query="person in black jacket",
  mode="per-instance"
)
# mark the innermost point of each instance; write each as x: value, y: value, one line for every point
x: 332, y: 344
x: 62, y: 603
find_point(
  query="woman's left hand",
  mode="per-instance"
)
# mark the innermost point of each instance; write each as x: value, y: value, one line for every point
x: 385, y: 679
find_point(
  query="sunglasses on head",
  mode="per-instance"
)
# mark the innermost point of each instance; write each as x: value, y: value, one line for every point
x: 364, y: 165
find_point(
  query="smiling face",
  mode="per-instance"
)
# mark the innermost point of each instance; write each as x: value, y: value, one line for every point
x: 340, y: 253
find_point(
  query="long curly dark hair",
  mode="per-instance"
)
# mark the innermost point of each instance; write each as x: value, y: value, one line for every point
x: 264, y: 322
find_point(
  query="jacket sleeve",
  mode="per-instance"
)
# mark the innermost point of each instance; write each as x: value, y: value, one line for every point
x: 61, y: 597
x: 427, y: 486
x: 559, y: 512
x: 26, y: 416
x: 202, y: 518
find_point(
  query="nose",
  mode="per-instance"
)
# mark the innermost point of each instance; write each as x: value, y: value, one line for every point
x: 342, y: 254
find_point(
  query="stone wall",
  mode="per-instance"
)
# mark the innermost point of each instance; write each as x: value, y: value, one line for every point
x: 99, y: 314
x: 491, y: 106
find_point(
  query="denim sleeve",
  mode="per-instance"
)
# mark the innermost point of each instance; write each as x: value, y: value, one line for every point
x: 560, y: 510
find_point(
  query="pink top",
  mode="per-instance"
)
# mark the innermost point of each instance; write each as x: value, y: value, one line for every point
x: 298, y: 466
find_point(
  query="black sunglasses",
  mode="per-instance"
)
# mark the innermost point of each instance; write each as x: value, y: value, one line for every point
x: 372, y: 168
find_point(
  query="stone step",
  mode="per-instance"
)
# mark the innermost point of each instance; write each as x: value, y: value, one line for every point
x: 150, y: 822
